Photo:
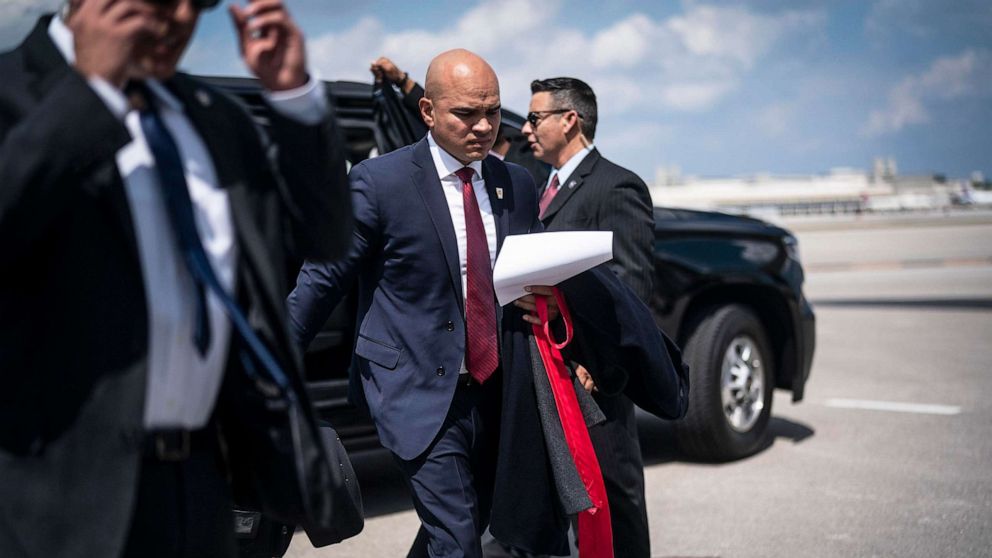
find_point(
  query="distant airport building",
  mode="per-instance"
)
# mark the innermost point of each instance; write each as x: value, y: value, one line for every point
x: 842, y: 190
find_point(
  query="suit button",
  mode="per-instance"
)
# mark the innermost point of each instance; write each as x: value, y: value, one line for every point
x: 440, y: 371
x: 450, y: 326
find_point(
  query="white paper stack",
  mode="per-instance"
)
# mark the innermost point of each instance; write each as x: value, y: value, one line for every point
x: 547, y: 259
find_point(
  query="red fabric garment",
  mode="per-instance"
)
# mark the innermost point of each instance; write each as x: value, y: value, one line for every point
x: 480, y: 306
x: 595, y: 529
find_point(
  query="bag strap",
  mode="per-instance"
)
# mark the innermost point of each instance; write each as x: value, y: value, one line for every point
x: 566, y: 316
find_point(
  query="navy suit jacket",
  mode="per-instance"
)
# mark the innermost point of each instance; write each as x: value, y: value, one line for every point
x: 410, y: 341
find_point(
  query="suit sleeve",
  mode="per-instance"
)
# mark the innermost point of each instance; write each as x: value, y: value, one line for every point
x: 411, y: 100
x: 313, y: 185
x: 322, y: 284
x: 627, y: 212
x: 46, y: 155
x: 617, y: 340
x: 527, y: 192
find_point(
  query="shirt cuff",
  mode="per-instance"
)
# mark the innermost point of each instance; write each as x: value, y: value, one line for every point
x: 112, y: 97
x: 306, y: 104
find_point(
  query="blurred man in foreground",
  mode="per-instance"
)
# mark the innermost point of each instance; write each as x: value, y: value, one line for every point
x: 138, y: 239
x: 588, y: 192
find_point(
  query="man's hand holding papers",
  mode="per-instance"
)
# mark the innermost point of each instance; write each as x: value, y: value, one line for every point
x: 528, y: 303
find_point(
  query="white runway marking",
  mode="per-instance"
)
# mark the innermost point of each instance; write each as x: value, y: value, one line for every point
x: 894, y: 406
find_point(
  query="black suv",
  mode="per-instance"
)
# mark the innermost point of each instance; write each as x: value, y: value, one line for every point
x: 728, y: 289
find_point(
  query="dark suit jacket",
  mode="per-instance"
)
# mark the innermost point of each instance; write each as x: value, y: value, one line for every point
x: 74, y: 333
x: 602, y: 196
x: 411, y: 334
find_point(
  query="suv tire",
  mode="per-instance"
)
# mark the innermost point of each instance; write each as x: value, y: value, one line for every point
x: 732, y: 382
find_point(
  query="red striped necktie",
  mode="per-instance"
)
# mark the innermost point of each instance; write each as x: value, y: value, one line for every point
x: 549, y: 194
x: 480, y: 310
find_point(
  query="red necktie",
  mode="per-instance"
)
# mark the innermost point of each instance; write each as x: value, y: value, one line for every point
x: 549, y: 194
x: 480, y: 310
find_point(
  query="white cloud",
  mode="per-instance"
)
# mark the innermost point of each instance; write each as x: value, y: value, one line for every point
x: 18, y: 16
x: 735, y: 34
x: 948, y: 78
x: 624, y: 44
x: 346, y: 55
x: 775, y: 120
x: 953, y: 77
x: 695, y: 96
x: 688, y: 62
x: 14, y: 9
x: 633, y: 139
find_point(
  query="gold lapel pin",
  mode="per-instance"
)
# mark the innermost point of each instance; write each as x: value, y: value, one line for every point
x: 499, y: 193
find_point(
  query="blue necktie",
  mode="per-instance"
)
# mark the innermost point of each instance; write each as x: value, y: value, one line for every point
x: 179, y: 207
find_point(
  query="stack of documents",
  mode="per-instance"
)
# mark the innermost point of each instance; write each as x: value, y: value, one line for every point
x: 547, y: 258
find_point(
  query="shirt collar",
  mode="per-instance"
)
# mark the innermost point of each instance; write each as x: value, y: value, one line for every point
x: 61, y: 35
x: 444, y: 163
x: 569, y: 167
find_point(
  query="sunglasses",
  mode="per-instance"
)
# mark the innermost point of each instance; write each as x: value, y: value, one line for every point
x: 535, y: 116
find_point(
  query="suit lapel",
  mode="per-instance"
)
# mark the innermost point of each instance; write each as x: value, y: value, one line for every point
x: 500, y: 190
x: 224, y: 146
x: 428, y: 185
x: 43, y: 59
x: 213, y: 127
x: 566, y: 190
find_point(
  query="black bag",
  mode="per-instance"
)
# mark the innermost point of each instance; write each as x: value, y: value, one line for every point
x: 275, y: 452
x: 347, y: 513
x: 260, y: 536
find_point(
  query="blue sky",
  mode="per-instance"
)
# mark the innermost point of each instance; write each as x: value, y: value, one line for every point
x: 712, y: 87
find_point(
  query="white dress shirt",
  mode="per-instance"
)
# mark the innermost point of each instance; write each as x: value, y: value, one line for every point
x: 446, y: 165
x: 569, y: 167
x: 182, y: 385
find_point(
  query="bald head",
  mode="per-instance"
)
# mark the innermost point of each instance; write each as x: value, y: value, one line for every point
x: 461, y: 104
x: 455, y: 69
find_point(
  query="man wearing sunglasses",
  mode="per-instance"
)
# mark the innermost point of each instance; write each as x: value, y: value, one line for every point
x: 588, y: 192
x: 138, y: 235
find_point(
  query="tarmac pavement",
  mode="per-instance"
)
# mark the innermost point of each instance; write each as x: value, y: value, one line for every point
x: 888, y: 455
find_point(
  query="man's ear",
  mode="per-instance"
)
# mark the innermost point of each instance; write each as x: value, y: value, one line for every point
x: 427, y: 111
x: 570, y: 123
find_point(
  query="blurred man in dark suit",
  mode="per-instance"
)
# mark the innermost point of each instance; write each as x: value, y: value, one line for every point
x: 138, y: 242
x: 587, y: 192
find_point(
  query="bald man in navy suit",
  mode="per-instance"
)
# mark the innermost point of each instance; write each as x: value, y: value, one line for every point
x: 430, y: 220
